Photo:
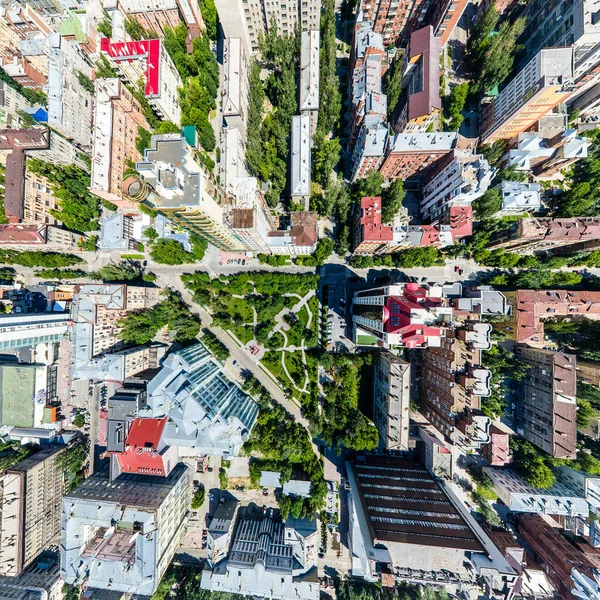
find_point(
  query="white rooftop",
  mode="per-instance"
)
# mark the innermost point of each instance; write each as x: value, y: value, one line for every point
x: 309, y: 71
x: 300, y: 157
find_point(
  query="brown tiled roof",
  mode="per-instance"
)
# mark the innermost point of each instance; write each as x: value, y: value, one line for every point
x: 401, y: 484
x: 304, y: 228
x: 243, y: 218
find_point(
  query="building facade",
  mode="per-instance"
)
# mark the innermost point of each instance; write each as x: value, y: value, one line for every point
x: 122, y: 535
x: 464, y: 179
x: 207, y: 413
x: 453, y: 383
x: 186, y: 193
x: 30, y: 498
x: 542, y: 84
x: 117, y: 118
x: 411, y: 155
x: 391, y: 400
x: 248, y: 19
x: 149, y: 61
x: 547, y: 407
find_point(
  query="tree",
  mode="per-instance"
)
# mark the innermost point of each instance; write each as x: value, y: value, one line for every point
x: 209, y: 16
x: 85, y: 82
x: 455, y: 104
x: 151, y: 233
x: 531, y: 464
x: 326, y: 154
x: 493, y: 152
x: 393, y: 83
x: 78, y: 209
x: 142, y: 141
x: 509, y: 174
x: 214, y: 344
x: 122, y: 271
x: 391, y: 200
x: 254, y: 149
x: 371, y: 185
x: 488, y: 204
x: 322, y: 251
x: 32, y: 258
x: 198, y: 499
x: 79, y: 420
x: 490, y: 53
x: 585, y: 412
x: 170, y: 252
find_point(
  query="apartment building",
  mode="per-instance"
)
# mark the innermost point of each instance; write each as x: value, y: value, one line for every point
x: 497, y: 451
x: 519, y: 198
x: 421, y: 83
x: 121, y: 535
x: 96, y: 312
x: 186, y: 193
x: 463, y: 179
x: 207, y: 413
x: 149, y: 61
x: 453, y: 383
x: 405, y: 315
x: 11, y: 103
x: 30, y: 499
x: 410, y: 156
x: 560, y: 500
x: 545, y: 157
x: 38, y: 199
x: 247, y: 19
x: 300, y: 162
x: 542, y: 84
x: 299, y: 238
x: 370, y: 235
x: 569, y: 569
x: 369, y: 150
x: 391, y: 400
x: 396, y: 19
x: 157, y: 15
x: 267, y: 557
x: 235, y: 84
x: 69, y: 102
x: 309, y: 77
x: 366, y: 68
x: 444, y: 16
x: 547, y: 407
x: 529, y: 308
x: 117, y: 118
x: 542, y: 234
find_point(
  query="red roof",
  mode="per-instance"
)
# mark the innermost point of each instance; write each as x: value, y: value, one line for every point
x: 372, y: 228
x: 143, y: 453
x: 397, y: 309
x: 431, y: 236
x: 145, y: 433
x: 149, y: 50
x: 22, y: 234
x: 461, y: 221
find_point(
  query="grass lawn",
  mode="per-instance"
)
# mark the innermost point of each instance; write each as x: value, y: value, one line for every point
x: 313, y: 304
x: 272, y: 361
x: 234, y: 306
x: 295, y: 366
x: 244, y: 333
x: 302, y: 314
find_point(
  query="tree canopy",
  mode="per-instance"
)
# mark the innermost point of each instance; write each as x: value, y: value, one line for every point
x: 491, y: 49
x: 488, y: 204
x: 78, y: 208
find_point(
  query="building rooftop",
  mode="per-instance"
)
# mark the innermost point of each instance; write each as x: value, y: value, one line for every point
x: 309, y: 71
x: 520, y: 197
x: 233, y: 68
x: 300, y: 156
x: 146, y: 51
x: 425, y: 49
x: 532, y: 306
x: 22, y: 234
x: 370, y: 222
x: 205, y: 410
x: 392, y: 492
x: 423, y: 142
x: 574, y: 229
